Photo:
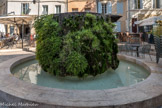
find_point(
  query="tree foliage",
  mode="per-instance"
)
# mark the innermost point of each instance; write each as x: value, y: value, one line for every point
x: 79, y: 46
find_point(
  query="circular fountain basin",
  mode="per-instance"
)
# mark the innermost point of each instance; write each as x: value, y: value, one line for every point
x: 125, y: 75
x: 144, y: 94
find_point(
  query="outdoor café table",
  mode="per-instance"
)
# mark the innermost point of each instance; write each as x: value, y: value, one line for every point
x: 137, y: 48
x: 134, y: 34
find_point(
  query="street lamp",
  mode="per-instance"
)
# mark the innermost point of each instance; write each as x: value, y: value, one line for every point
x: 104, y: 1
x: 38, y: 7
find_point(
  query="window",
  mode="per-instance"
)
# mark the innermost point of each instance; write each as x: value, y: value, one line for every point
x: 6, y: 28
x: 104, y: 8
x: 58, y: 9
x: 109, y: 7
x: 148, y: 28
x: 157, y: 3
x: 87, y: 9
x: 134, y: 26
x: 117, y: 27
x: 11, y: 30
x: 74, y: 9
x: 45, y: 10
x: 138, y: 4
x: 25, y: 8
x: 119, y: 7
x: 141, y: 29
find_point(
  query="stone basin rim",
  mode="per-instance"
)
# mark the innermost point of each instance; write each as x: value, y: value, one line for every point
x: 76, y: 98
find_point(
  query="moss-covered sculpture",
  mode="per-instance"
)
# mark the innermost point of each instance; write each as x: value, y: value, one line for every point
x: 78, y: 46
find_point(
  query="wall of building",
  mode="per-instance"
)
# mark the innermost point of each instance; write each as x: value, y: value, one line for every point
x: 2, y: 7
x: 2, y: 12
x: 120, y: 10
x: 81, y: 5
x: 15, y: 5
x: 146, y: 12
x: 118, y: 7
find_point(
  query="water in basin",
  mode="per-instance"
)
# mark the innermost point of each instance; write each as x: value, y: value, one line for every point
x: 125, y: 75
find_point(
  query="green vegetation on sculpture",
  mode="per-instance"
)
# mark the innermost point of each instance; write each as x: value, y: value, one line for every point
x: 78, y: 46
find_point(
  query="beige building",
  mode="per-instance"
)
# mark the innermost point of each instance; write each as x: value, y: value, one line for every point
x: 82, y: 6
x: 118, y: 7
x: 112, y: 7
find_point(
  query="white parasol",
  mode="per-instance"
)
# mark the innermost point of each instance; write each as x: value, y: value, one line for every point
x: 16, y: 20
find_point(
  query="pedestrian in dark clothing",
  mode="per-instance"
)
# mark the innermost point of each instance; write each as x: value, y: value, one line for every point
x: 151, y: 39
x: 21, y: 35
x: 144, y: 36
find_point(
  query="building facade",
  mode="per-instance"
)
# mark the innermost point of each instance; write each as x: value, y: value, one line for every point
x: 30, y: 8
x: 118, y: 7
x: 131, y: 11
x: 82, y: 6
x: 142, y: 9
x: 112, y: 7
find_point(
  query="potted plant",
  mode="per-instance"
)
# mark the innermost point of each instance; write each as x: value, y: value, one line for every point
x: 158, y: 40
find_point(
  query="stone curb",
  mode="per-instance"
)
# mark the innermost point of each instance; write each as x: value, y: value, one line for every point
x: 145, y: 94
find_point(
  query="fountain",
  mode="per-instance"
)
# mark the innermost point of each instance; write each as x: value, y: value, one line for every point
x: 130, y: 83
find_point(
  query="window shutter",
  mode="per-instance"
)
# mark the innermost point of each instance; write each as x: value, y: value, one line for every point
x: 99, y: 7
x: 60, y: 9
x: 109, y: 5
x: 27, y: 11
x: 119, y: 7
x: 118, y: 26
x: 153, y: 3
x: 141, y: 4
x: 115, y: 29
x: 134, y: 4
x: 160, y: 4
x: 21, y: 9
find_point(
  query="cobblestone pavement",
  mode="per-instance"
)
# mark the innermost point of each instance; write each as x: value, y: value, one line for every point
x: 9, y: 54
x: 146, y: 58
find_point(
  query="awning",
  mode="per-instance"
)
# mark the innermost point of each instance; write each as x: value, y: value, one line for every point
x: 138, y: 22
x: 149, y: 21
x: 15, y: 19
